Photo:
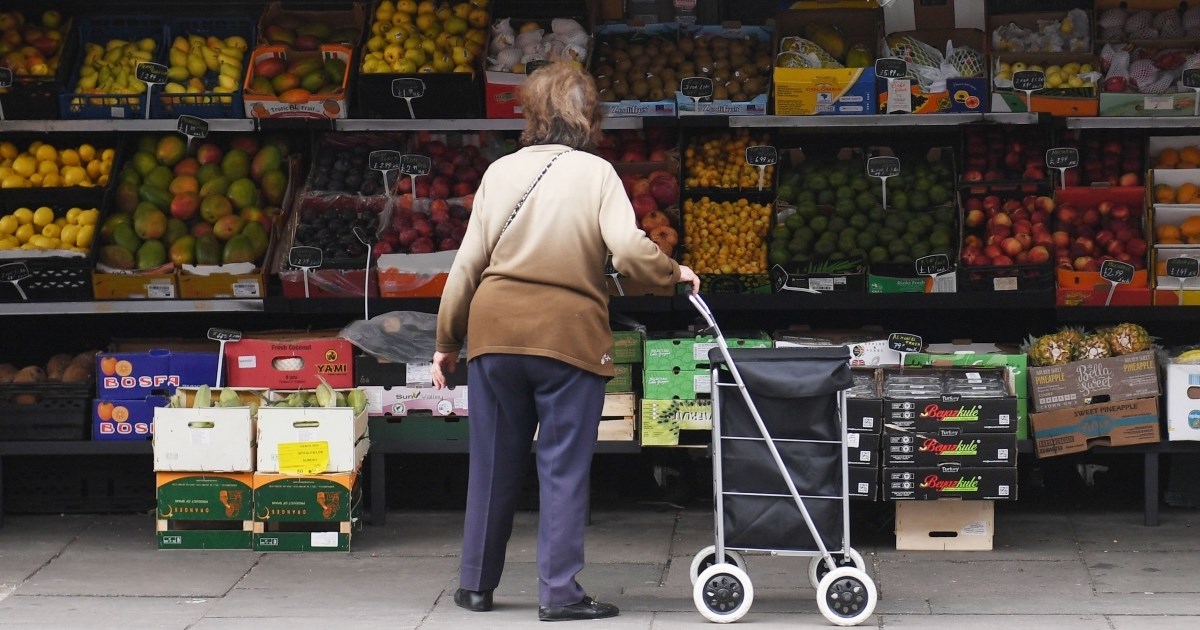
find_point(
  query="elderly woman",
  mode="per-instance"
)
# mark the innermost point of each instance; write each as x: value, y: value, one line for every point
x: 527, y: 288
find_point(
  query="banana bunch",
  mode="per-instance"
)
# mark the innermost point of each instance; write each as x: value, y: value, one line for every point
x: 193, y: 60
x: 325, y: 396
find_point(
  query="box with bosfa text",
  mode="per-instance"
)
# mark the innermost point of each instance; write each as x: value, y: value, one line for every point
x: 125, y: 420
x: 290, y: 361
x: 128, y: 375
x: 1077, y: 429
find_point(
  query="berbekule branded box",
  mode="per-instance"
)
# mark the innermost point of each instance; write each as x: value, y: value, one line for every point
x: 967, y: 449
x: 950, y: 481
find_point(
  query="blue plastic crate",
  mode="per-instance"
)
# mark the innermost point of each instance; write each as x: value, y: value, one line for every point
x: 175, y: 105
x: 99, y: 30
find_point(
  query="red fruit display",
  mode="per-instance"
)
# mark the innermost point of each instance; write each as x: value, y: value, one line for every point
x: 630, y: 145
x: 1110, y: 156
x: 994, y: 153
x: 1007, y: 229
x: 1089, y: 232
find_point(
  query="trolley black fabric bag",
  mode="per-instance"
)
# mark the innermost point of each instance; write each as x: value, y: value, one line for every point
x: 793, y: 389
x: 815, y: 468
x: 775, y: 523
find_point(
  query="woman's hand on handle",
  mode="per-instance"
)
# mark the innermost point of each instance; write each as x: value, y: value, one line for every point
x: 686, y: 275
x: 443, y: 364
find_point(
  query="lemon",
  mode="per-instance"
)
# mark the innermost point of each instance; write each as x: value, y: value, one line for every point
x: 8, y: 225
x: 107, y: 155
x: 36, y: 180
x: 89, y: 217
x: 61, y: 222
x: 69, y: 157
x: 72, y: 215
x: 42, y: 217
x: 68, y: 234
x: 8, y: 151
x: 103, y: 180
x: 25, y: 165
x: 95, y: 169
x: 8, y: 243
x: 51, y: 180
x: 73, y: 176
x: 24, y: 216
x: 24, y: 232
x: 14, y: 181
x: 87, y: 153
x: 46, y: 153
x: 51, y: 231
x: 85, y: 235
x: 40, y: 241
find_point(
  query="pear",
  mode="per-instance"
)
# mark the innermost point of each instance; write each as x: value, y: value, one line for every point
x: 236, y: 41
x: 211, y: 58
x: 178, y: 57
x: 196, y: 66
x: 178, y: 73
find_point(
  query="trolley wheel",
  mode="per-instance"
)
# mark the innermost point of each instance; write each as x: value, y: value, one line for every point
x: 846, y: 596
x: 723, y: 593
x: 707, y: 557
x: 817, y: 567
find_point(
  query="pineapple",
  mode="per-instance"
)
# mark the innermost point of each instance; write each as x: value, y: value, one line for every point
x: 1092, y: 347
x: 1127, y: 338
x: 1049, y: 350
x: 1072, y: 336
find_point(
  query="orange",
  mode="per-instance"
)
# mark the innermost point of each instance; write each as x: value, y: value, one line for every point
x: 120, y: 413
x: 1190, y: 227
x: 1167, y: 232
x: 1169, y: 158
x: 1189, y: 154
x: 1188, y: 164
x: 1164, y: 194
x: 1187, y: 193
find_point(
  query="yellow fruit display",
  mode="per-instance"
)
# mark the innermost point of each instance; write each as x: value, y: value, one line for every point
x: 725, y: 237
x: 109, y: 69
x: 205, y: 65
x: 407, y: 37
x: 718, y: 160
x: 40, y: 229
x: 43, y: 165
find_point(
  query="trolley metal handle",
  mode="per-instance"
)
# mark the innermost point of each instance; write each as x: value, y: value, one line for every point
x: 705, y: 312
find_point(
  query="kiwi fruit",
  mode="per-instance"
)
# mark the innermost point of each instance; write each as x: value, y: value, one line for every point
x: 607, y: 96
x: 623, y: 65
x: 656, y: 94
x: 720, y: 93
x: 654, y: 82
x: 639, y: 89
x: 603, y: 82
x: 56, y: 365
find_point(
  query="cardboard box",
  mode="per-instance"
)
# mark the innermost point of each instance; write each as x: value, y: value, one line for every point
x: 344, y: 433
x: 885, y: 279
x: 1166, y: 288
x: 125, y: 420
x: 289, y: 361
x: 864, y: 415
x: 935, y: 25
x: 1183, y: 402
x: 127, y: 375
x: 819, y: 91
x: 414, y: 275
x: 950, y: 481
x: 1088, y: 288
x: 1093, y: 381
x: 217, y: 439
x: 370, y: 371
x: 633, y: 107
x: 868, y: 348
x: 756, y: 106
x: 864, y: 483
x: 983, y: 355
x: 616, y: 419
x: 1076, y: 429
x: 965, y: 449
x: 662, y: 420
x: 317, y: 106
x: 306, y: 513
x: 690, y: 353
x: 862, y: 449
x: 1068, y: 101
x: 622, y: 380
x: 682, y: 384
x: 352, y: 17
x: 945, y: 525
x: 205, y: 511
x: 952, y: 411
x: 1147, y: 105
x: 160, y: 284
x: 627, y: 346
x: 419, y: 429
x: 405, y: 401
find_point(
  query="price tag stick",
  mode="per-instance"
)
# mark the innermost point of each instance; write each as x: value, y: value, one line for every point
x: 1062, y: 176
x: 1112, y: 288
x: 1, y: 111
x: 1115, y: 272
x: 25, y: 298
x: 304, y: 270
x: 5, y: 81
x: 411, y: 113
x: 222, y: 336
x: 362, y: 238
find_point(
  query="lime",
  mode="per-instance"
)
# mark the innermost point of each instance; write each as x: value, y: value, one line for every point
x: 819, y: 224
x: 865, y: 201
x: 919, y: 249
x: 866, y: 240
x: 779, y: 256
x: 877, y: 254
x: 804, y: 234
x: 824, y: 248
x: 918, y: 200
x: 860, y: 183
x: 844, y: 192
x: 938, y: 194
x: 897, y: 246
x: 782, y: 231
x: 793, y: 222
x: 806, y: 196
x: 826, y: 198
x: 844, y: 208
x: 859, y: 221
x: 836, y: 224
x: 798, y: 247
x: 816, y: 182
x: 939, y: 239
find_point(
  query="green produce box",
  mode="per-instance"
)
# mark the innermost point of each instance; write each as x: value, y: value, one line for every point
x: 881, y: 283
x: 682, y: 384
x: 627, y: 347
x: 689, y: 353
x: 622, y: 380
x: 1017, y: 364
x: 662, y: 420
x: 204, y: 510
x: 417, y: 428
x: 306, y: 513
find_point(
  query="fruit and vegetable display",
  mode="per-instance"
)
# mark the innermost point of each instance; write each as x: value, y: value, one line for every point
x: 1143, y: 69
x: 726, y: 237
x: 215, y: 207
x: 60, y: 368
x: 1185, y: 232
x: 1075, y: 344
x: 42, y: 229
x: 654, y: 198
x: 1001, y: 231
x: 994, y: 153
x: 839, y: 214
x: 110, y: 67
x: 31, y: 48
x: 306, y: 35
x: 642, y: 65
x: 42, y: 165
x: 927, y: 64
x: 511, y: 48
x: 629, y: 145
x: 1087, y: 235
x: 205, y: 397
x: 1120, y: 23
x: 198, y: 65
x: 1071, y: 33
x: 407, y: 37
x: 822, y: 46
x: 718, y: 160
x: 1072, y: 75
x: 740, y: 67
x: 1111, y: 156
x: 456, y: 171
x: 1182, y: 157
x: 296, y: 80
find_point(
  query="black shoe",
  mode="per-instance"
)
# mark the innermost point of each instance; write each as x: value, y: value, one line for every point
x: 587, y: 608
x: 474, y: 601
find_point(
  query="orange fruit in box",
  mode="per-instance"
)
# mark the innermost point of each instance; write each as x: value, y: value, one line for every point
x: 1190, y: 228
x: 1168, y: 234
x: 1187, y: 193
x: 1169, y: 158
x: 1164, y: 194
x: 1190, y: 155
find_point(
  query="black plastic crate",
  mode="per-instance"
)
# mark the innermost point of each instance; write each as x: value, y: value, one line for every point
x: 36, y: 98
x: 45, y: 411
x: 59, y: 484
x: 1027, y: 277
x: 53, y: 278
x: 447, y: 95
x: 175, y: 105
x: 99, y: 30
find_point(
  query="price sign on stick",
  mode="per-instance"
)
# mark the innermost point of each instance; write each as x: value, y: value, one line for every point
x: 415, y: 166
x: 933, y: 265
x: 883, y: 167
x: 306, y: 259
x: 1191, y: 80
x: 697, y: 89
x: 905, y: 343
x: 1181, y: 268
x: 6, y: 80
x: 1116, y: 272
x: 892, y: 69
x: 223, y: 336
x: 408, y: 88
x: 151, y: 74
x: 193, y: 128
x: 780, y: 278
x: 761, y: 157
x: 15, y: 273
x: 368, y: 240
x: 1029, y: 81
x: 385, y: 162
x: 1062, y: 158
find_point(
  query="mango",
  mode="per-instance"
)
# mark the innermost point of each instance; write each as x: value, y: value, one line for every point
x: 261, y: 85
x: 295, y: 96
x: 116, y: 257
x: 313, y: 81
x: 284, y: 82
x: 268, y: 69
x: 110, y: 224
x: 335, y: 70
x: 214, y: 207
x: 143, y: 161
x: 146, y: 144
x: 243, y: 193
x: 149, y: 223
x: 208, y: 250
x: 126, y: 197
x: 124, y: 237
x: 207, y: 172
x: 258, y: 236
x: 159, y: 177
x: 176, y: 230
x: 274, y: 187
x: 170, y: 150
x: 238, y: 249
x: 235, y: 165
x: 218, y: 185
x: 320, y: 30
x: 268, y: 158
x: 302, y: 67
x: 156, y: 196
x: 183, y: 251
x: 151, y: 254
x: 130, y: 174
x: 228, y: 226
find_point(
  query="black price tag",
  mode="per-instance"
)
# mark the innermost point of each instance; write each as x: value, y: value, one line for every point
x: 762, y: 155
x: 905, y: 342
x: 1116, y: 271
x: 224, y: 334
x: 6, y: 77
x: 150, y: 72
x: 1029, y: 80
x: 1191, y: 78
x: 891, y: 68
x: 932, y: 265
x: 193, y: 127
x: 408, y: 87
x: 1062, y: 157
x: 696, y: 87
x: 14, y: 272
x: 413, y: 164
x: 883, y: 166
x: 303, y: 256
x: 384, y: 160
x: 534, y: 65
x: 1181, y: 267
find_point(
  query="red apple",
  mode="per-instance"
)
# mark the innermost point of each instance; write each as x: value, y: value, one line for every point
x: 1082, y: 246
x: 975, y: 218
x: 1104, y: 207
x: 1090, y: 217
x: 992, y: 251
x: 1067, y: 214
x: 1022, y: 226
x: 999, y: 231
x: 1025, y: 239
x: 1000, y: 219
x: 1034, y: 172
x: 1114, y: 248
x: 1082, y: 263
x: 973, y: 175
x: 1002, y: 261
x: 1011, y: 246
x: 1021, y: 258
x: 973, y: 203
x: 1062, y: 239
x: 1043, y: 238
x: 1120, y: 211
x: 972, y: 240
x: 1038, y: 255
x: 1136, y: 247
x: 1129, y: 179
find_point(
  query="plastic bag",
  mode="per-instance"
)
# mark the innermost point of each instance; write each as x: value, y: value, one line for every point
x: 398, y: 336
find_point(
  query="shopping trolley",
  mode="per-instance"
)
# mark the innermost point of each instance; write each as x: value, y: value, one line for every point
x: 779, y: 477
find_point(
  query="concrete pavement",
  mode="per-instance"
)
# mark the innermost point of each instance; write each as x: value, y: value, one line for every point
x: 1067, y: 571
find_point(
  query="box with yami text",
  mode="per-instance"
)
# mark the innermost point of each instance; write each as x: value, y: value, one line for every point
x: 1092, y: 381
x: 290, y: 361
x: 204, y: 510
x: 1077, y: 429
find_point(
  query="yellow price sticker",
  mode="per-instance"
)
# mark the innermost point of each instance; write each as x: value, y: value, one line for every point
x: 303, y: 458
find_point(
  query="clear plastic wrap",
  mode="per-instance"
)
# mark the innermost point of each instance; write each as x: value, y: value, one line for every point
x: 398, y: 336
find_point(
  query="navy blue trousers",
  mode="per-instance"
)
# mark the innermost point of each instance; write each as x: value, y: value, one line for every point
x: 508, y: 397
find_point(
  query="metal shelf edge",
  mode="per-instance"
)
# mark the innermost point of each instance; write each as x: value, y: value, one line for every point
x: 1134, y: 122
x: 153, y: 125
x: 865, y: 121
x: 131, y: 306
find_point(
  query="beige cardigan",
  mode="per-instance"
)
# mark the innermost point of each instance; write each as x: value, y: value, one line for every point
x: 542, y: 291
